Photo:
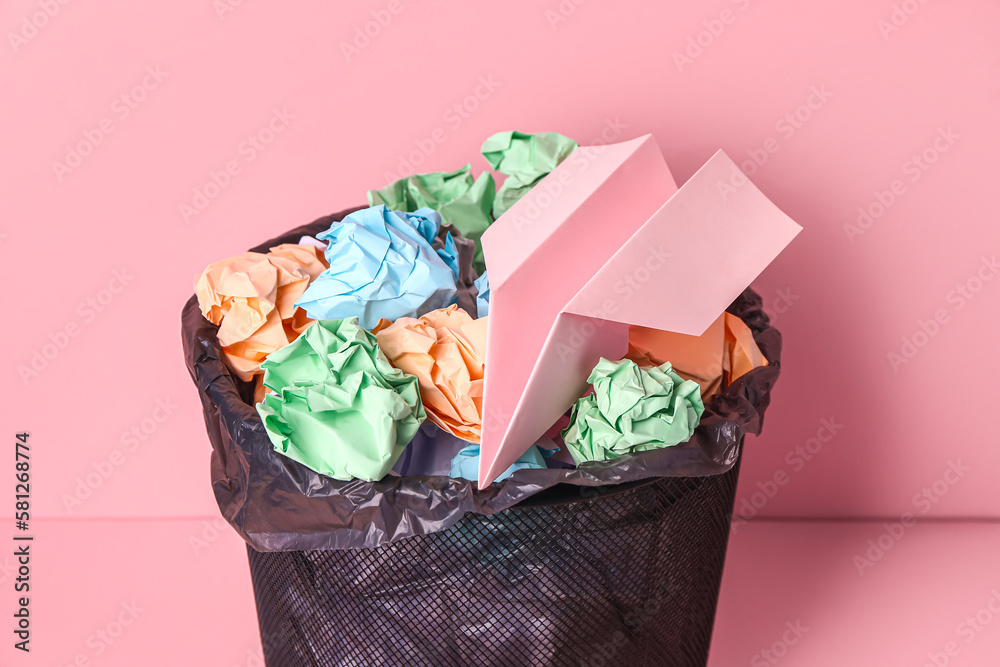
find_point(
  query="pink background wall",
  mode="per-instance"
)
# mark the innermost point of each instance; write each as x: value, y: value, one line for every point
x: 843, y: 301
x: 849, y: 301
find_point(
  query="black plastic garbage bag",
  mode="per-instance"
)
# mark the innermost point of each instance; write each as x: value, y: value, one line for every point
x: 615, y: 562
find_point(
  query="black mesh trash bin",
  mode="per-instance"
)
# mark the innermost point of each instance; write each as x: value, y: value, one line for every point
x: 612, y: 563
x: 629, y: 577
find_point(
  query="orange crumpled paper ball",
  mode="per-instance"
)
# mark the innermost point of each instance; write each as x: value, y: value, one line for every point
x: 716, y: 359
x: 445, y: 350
x: 252, y: 298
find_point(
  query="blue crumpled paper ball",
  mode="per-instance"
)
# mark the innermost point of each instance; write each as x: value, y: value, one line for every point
x: 483, y: 295
x: 382, y: 265
x: 465, y: 465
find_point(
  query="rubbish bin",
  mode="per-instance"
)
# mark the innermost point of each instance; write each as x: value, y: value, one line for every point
x: 630, y: 577
x: 612, y: 563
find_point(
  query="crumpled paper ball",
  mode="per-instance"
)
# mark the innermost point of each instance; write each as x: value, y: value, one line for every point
x: 465, y: 465
x: 461, y: 201
x: 716, y: 359
x: 308, y: 256
x: 382, y: 265
x: 310, y: 240
x: 632, y: 409
x: 445, y: 350
x: 341, y: 408
x: 251, y: 297
x: 525, y: 159
x: 482, y: 285
x: 742, y: 354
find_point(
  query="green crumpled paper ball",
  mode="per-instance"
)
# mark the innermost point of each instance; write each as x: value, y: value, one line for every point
x: 632, y: 409
x: 525, y: 159
x: 341, y: 408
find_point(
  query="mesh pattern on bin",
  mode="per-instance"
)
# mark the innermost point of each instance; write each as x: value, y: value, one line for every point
x: 620, y: 578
